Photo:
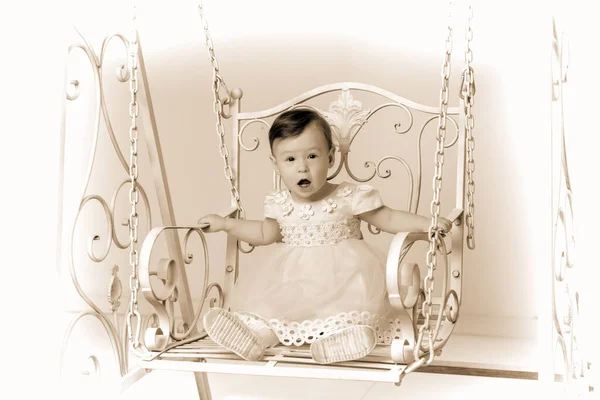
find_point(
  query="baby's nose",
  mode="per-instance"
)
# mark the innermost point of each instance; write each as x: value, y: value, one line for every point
x: 302, y: 167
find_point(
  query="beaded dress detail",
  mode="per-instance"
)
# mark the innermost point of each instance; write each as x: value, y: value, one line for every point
x: 323, y: 277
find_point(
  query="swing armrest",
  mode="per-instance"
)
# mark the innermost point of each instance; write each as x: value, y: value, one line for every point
x: 403, y: 284
x: 163, y: 291
x: 403, y: 275
x: 166, y: 278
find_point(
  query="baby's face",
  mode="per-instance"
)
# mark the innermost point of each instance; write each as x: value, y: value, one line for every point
x: 303, y: 162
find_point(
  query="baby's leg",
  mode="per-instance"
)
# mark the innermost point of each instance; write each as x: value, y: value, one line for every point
x: 227, y: 330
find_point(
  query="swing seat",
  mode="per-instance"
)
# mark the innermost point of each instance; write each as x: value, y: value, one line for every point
x: 469, y: 355
x: 190, y: 351
x: 203, y: 355
x: 481, y: 356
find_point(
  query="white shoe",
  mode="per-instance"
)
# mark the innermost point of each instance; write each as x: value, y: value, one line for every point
x: 347, y: 344
x: 230, y: 332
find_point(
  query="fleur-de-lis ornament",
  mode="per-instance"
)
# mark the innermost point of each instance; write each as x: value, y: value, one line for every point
x: 115, y: 289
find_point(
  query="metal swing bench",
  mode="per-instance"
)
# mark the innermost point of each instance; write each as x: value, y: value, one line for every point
x: 415, y: 343
x: 424, y: 322
x: 388, y: 363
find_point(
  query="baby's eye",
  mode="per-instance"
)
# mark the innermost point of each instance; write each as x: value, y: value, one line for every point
x: 289, y: 159
x: 312, y: 156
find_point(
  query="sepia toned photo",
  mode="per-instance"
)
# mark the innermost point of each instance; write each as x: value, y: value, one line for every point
x: 293, y: 200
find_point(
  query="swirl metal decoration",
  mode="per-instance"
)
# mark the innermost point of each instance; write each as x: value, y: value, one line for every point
x: 98, y: 254
x: 406, y: 296
x: 568, y: 361
x: 160, y: 281
x: 161, y: 292
x: 347, y: 118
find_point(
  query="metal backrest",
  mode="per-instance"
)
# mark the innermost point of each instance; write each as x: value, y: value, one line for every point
x: 349, y: 119
x: 377, y: 135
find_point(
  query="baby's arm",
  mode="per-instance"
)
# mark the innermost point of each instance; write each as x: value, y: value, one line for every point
x: 258, y: 233
x: 394, y: 221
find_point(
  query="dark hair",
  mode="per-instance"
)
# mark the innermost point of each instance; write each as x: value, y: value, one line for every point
x: 293, y: 122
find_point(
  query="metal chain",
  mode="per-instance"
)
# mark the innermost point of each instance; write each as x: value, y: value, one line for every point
x: 134, y: 283
x: 434, y: 232
x: 467, y: 93
x: 218, y: 109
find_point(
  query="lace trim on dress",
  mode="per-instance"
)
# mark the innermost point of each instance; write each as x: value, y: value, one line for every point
x: 321, y: 234
x: 299, y: 333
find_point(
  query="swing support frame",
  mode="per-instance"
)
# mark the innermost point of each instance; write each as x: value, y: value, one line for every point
x: 167, y: 346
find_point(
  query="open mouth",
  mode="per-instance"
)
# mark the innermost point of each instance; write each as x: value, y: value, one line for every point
x: 304, y: 183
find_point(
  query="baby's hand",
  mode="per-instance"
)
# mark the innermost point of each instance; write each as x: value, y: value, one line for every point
x: 444, y: 224
x: 215, y: 223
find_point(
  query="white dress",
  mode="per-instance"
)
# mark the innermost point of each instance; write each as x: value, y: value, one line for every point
x: 323, y: 276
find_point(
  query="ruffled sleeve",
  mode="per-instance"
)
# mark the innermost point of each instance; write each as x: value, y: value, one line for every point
x: 365, y: 198
x: 277, y: 204
x: 270, y: 206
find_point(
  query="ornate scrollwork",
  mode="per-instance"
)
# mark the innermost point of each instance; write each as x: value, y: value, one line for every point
x: 565, y: 302
x: 254, y: 139
x: 109, y: 235
x: 75, y: 84
x: 125, y: 223
x: 406, y: 296
x: 90, y: 366
x: 398, y: 124
x: 220, y: 299
x: 91, y: 252
x: 347, y: 119
x: 448, y: 144
x: 96, y: 63
x: 159, y: 287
